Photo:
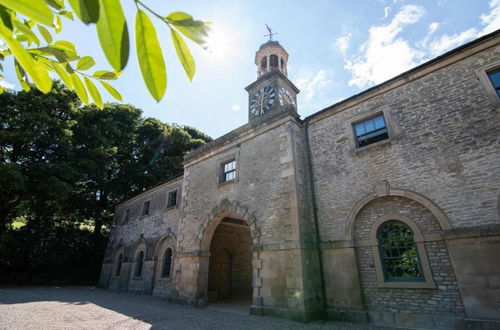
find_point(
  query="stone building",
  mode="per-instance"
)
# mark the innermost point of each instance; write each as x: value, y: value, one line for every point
x: 382, y: 208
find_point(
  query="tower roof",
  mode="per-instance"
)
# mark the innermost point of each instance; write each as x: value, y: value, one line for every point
x: 269, y: 43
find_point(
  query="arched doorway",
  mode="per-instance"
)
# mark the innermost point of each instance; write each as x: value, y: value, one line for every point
x: 230, y: 263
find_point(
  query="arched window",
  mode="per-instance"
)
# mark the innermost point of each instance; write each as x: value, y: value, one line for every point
x: 119, y: 265
x: 263, y: 64
x: 138, y: 264
x: 398, y: 253
x: 167, y: 264
x: 273, y: 61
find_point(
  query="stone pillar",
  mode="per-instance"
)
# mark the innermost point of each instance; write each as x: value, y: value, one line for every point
x: 475, y: 256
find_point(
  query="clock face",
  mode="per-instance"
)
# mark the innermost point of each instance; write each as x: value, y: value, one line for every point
x: 262, y: 101
x: 285, y: 96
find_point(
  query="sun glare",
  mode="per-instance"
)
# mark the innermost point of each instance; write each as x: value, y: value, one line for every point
x: 219, y: 43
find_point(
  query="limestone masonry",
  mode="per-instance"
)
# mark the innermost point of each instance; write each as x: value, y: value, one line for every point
x: 382, y: 208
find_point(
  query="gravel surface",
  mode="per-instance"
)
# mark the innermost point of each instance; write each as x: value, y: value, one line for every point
x: 92, y: 308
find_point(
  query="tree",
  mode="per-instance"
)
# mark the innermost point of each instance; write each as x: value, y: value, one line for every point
x: 35, y: 151
x: 63, y: 168
x: 35, y: 60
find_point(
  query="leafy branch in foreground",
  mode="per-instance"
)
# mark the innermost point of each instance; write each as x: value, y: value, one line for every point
x: 35, y: 60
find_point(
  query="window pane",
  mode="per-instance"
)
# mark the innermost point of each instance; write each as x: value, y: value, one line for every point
x: 167, y: 263
x: 360, y: 129
x: 369, y: 126
x: 495, y: 78
x: 230, y: 176
x: 398, y: 252
x: 379, y: 122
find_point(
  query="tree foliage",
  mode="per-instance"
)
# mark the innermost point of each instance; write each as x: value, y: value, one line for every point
x: 27, y: 28
x: 64, y: 166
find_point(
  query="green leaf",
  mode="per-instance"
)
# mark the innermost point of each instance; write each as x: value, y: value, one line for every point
x: 34, y: 9
x: 21, y: 76
x: 6, y: 17
x: 94, y: 92
x: 1, y: 89
x: 57, y: 24
x: 113, y: 33
x: 39, y: 75
x: 85, y: 63
x: 27, y: 32
x: 86, y: 10
x: 194, y: 30
x: 56, y: 4
x: 106, y: 75
x: 79, y: 88
x: 150, y: 56
x: 61, y: 72
x: 179, y: 16
x: 112, y: 91
x: 183, y: 54
x: 45, y: 33
x: 67, y: 14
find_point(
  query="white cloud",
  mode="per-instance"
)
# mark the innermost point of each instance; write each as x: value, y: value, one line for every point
x: 433, y: 27
x: 491, y: 21
x: 6, y: 84
x: 446, y: 42
x: 235, y: 107
x: 314, y: 85
x: 384, y: 55
x: 343, y: 43
x: 387, y: 10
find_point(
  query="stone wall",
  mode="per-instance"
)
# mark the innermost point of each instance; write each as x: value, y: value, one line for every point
x: 444, y: 146
x: 148, y: 231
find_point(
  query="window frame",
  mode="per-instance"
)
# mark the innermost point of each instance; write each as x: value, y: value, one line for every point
x: 351, y: 133
x: 418, y: 238
x: 482, y: 75
x: 145, y: 211
x: 138, y: 271
x: 223, y: 173
x: 387, y: 277
x: 169, y: 194
x: 126, y: 216
x: 358, y: 137
x: 119, y: 265
x: 162, y: 273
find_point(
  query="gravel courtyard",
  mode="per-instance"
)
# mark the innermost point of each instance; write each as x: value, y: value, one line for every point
x: 92, y: 308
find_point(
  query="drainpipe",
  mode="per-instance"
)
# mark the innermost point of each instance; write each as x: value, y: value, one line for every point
x: 315, y: 215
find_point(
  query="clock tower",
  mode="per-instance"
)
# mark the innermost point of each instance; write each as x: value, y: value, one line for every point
x: 272, y: 92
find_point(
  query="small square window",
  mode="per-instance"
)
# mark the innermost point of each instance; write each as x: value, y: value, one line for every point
x: 370, y: 131
x: 127, y: 216
x: 172, y: 199
x: 495, y: 80
x: 228, y: 171
x: 145, y: 208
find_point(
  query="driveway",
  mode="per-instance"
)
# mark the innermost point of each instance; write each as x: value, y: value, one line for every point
x: 92, y: 308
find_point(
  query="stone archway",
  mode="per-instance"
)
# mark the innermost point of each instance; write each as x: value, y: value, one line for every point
x: 229, y: 217
x: 230, y: 262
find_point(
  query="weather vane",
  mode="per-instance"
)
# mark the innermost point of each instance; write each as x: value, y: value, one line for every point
x: 271, y: 34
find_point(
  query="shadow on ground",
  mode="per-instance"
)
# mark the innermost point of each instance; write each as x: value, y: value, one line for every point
x: 92, y: 308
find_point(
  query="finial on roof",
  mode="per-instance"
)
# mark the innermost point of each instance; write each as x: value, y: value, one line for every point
x: 271, y: 34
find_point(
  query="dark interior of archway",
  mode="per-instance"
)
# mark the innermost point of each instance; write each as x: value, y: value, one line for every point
x: 230, y: 268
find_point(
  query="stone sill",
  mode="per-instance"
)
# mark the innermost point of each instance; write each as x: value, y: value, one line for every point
x: 373, y: 145
x: 407, y: 285
x: 225, y: 183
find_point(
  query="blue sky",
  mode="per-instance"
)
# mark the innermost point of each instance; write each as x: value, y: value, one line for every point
x: 337, y: 49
